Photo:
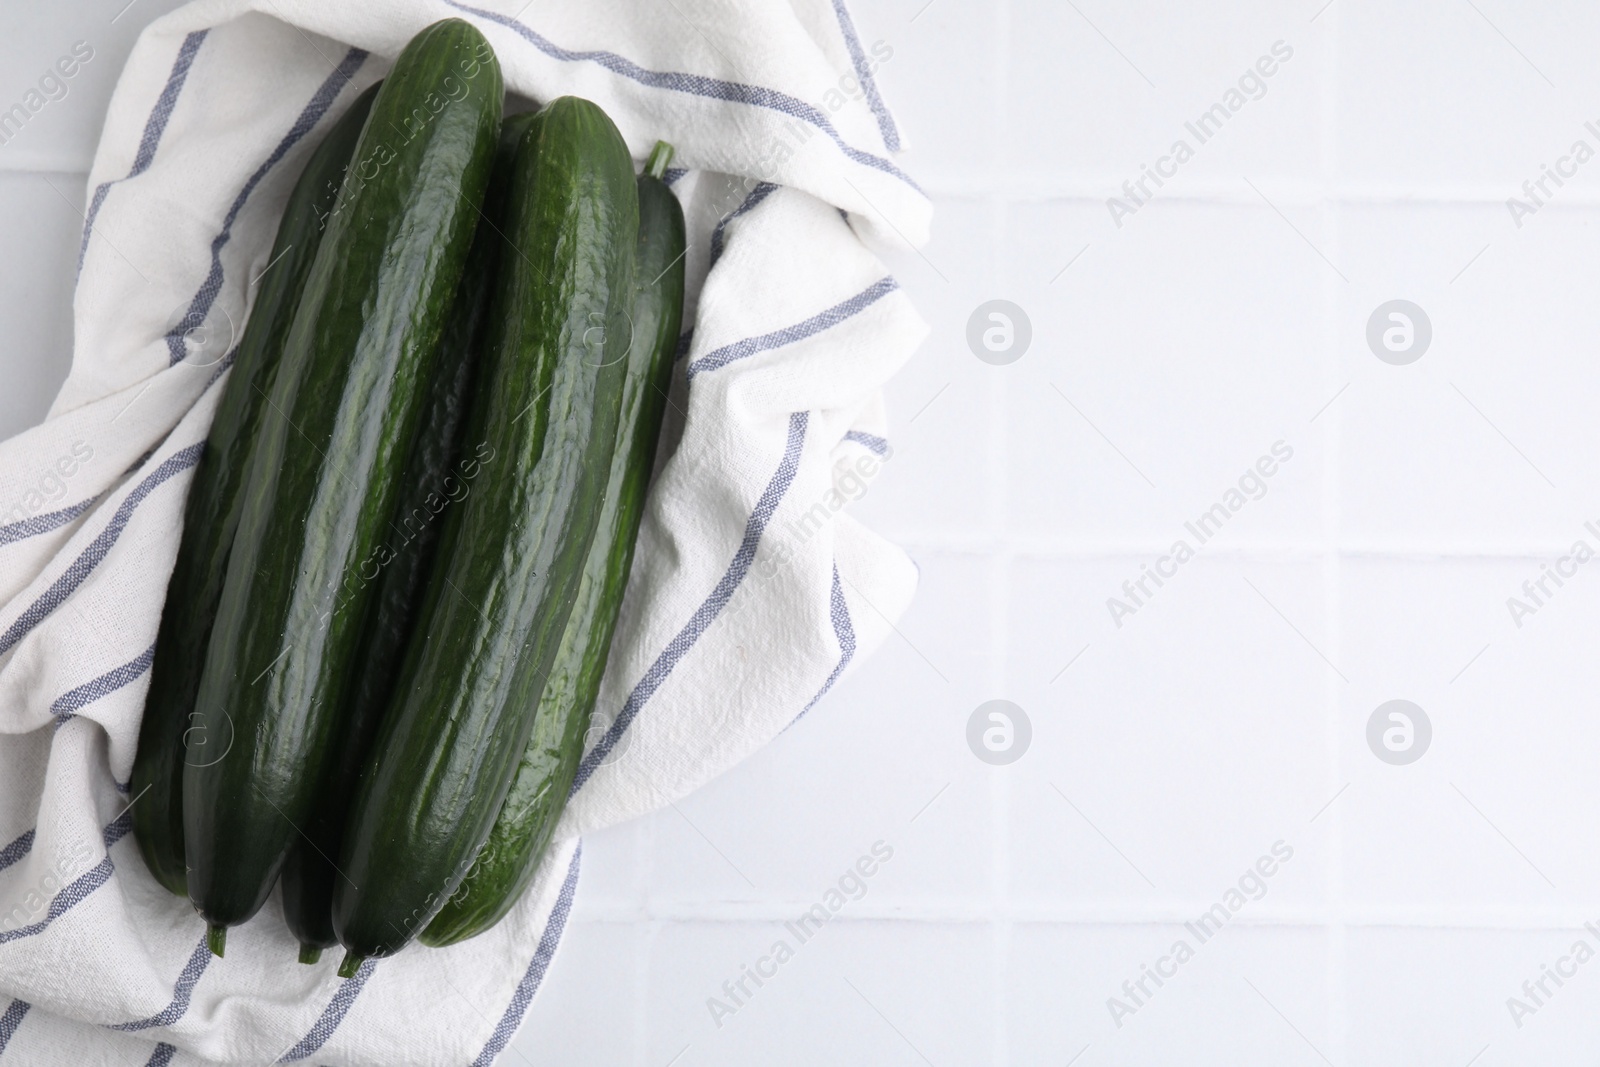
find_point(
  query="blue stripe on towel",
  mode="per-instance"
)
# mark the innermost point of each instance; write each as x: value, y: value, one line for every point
x: 11, y: 1020
x: 758, y: 194
x: 39, y: 524
x: 154, y: 127
x: 182, y: 990
x: 16, y: 850
x: 685, y: 339
x: 703, y: 617
x: 844, y: 632
x: 886, y: 126
x: 332, y: 1015
x: 74, y: 700
x: 823, y: 320
x: 76, y: 890
x: 84, y: 565
x: 35, y: 525
x: 310, y: 115
x: 870, y: 441
x: 511, y: 1018
x: 696, y: 85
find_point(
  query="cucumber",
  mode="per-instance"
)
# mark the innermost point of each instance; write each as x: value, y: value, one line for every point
x: 211, y: 513
x: 510, y: 857
x: 436, y: 475
x: 513, y: 551
x: 325, y: 473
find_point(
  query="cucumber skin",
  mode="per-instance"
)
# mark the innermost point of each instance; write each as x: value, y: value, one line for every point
x: 510, y: 857
x: 324, y: 478
x: 211, y: 513
x: 512, y: 553
x: 308, y: 873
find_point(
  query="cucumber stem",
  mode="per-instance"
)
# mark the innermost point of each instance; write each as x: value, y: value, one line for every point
x: 351, y: 964
x: 310, y: 953
x: 660, y: 156
x: 216, y: 938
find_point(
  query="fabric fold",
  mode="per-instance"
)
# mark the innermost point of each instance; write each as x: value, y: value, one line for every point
x: 752, y: 591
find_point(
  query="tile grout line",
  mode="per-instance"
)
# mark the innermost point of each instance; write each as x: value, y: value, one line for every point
x: 1336, y: 937
x: 1239, y: 551
x: 1431, y: 916
x: 1000, y: 595
x: 1219, y: 191
x: 644, y: 939
x: 23, y: 172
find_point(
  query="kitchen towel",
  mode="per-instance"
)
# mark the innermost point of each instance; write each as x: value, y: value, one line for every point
x: 752, y: 590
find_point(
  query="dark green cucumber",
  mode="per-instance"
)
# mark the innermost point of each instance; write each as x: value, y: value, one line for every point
x: 436, y: 475
x: 510, y: 857
x: 211, y: 513
x: 513, y: 551
x: 325, y: 473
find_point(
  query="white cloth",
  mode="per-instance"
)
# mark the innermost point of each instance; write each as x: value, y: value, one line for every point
x: 777, y: 422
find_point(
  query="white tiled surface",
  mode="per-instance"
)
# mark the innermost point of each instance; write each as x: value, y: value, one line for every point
x: 1223, y: 716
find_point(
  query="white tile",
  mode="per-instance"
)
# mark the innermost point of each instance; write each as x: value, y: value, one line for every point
x: 1437, y: 97
x: 612, y: 879
x: 858, y: 769
x: 1482, y: 825
x: 1062, y: 980
x: 39, y: 229
x: 1482, y: 442
x: 62, y: 133
x: 855, y: 992
x: 1186, y: 748
x: 1167, y: 361
x: 1441, y: 995
x: 1096, y: 90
